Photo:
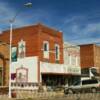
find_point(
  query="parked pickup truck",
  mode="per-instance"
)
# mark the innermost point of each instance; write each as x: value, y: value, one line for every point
x: 85, y: 85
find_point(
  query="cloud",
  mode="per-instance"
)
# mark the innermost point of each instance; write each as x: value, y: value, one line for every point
x: 86, y: 41
x: 76, y: 27
x: 7, y: 12
x: 25, y: 17
x: 79, y: 29
x: 92, y: 27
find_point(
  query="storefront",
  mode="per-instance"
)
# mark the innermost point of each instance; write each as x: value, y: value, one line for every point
x: 53, y: 79
x: 55, y: 74
x: 24, y: 73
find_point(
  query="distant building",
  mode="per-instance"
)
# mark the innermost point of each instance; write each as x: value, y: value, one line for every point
x: 72, y: 62
x: 90, y: 59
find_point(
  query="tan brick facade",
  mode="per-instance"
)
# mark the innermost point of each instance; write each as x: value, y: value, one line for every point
x: 4, y: 63
x: 97, y: 56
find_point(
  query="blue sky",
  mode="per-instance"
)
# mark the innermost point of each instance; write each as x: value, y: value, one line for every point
x: 79, y: 20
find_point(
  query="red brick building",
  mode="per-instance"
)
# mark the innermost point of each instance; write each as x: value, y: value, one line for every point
x: 90, y: 57
x: 35, y: 36
x: 38, y: 50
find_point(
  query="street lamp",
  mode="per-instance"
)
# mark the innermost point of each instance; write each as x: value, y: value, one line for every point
x: 29, y: 4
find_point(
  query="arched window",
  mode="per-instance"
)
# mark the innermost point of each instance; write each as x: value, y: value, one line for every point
x: 46, y: 49
x: 21, y: 49
x: 21, y: 74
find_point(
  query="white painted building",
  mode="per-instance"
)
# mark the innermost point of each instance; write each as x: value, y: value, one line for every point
x: 72, y: 62
x: 24, y: 73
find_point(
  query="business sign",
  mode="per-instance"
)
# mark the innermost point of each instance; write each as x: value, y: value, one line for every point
x: 14, y: 54
x: 21, y: 74
x: 59, y: 68
x: 74, y: 70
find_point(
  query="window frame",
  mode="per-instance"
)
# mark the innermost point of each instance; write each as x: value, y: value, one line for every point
x: 57, y: 52
x: 46, y: 49
x: 44, y: 45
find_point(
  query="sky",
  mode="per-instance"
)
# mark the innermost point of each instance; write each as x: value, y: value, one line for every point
x: 79, y: 20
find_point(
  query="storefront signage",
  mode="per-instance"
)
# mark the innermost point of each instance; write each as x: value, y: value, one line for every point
x: 74, y: 70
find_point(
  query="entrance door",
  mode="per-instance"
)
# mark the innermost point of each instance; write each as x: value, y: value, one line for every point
x: 53, y: 80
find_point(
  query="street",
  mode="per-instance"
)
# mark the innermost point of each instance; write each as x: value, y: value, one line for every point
x: 57, y: 96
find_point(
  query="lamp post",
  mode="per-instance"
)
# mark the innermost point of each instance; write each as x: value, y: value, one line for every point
x: 29, y: 4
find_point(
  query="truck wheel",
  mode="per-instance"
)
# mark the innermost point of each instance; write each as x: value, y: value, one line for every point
x: 65, y: 92
x: 93, y: 90
x: 70, y: 91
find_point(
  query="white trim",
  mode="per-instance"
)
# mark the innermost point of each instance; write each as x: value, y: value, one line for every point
x: 59, y: 68
x: 46, y: 53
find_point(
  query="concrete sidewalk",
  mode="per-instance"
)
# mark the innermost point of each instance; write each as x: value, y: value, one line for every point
x: 54, y: 96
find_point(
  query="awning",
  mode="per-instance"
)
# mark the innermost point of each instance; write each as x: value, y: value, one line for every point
x: 59, y: 68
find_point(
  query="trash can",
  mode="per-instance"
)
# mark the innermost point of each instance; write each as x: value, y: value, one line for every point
x: 13, y: 94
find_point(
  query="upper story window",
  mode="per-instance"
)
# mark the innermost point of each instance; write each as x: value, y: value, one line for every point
x: 45, y: 46
x: 57, y: 52
x: 46, y: 49
x: 73, y: 60
x: 21, y: 49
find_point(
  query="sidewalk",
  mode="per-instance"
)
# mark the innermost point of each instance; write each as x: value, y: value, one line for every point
x: 53, y: 96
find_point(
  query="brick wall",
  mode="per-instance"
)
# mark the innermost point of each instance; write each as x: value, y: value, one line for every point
x: 4, y: 62
x: 97, y: 57
x: 87, y: 56
x: 34, y: 37
x: 90, y: 56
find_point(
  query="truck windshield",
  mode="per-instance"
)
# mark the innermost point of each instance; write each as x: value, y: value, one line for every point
x: 76, y: 83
